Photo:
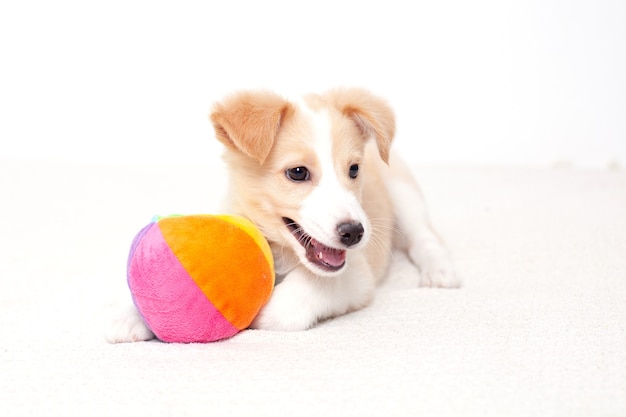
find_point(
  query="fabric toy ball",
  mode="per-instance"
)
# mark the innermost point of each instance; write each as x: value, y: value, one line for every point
x: 199, y: 278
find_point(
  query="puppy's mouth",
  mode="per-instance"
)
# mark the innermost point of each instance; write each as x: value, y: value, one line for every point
x: 327, y: 258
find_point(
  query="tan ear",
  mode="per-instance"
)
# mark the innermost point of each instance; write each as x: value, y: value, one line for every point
x: 371, y: 114
x: 249, y: 122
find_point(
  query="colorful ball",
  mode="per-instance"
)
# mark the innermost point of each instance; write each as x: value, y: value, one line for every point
x: 199, y: 278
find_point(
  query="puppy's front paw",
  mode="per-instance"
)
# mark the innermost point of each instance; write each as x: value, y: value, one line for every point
x: 437, y: 270
x: 284, y: 312
x: 128, y: 327
x: 439, y: 278
x: 275, y: 317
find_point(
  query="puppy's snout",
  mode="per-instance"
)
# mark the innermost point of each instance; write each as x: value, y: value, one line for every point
x: 350, y: 233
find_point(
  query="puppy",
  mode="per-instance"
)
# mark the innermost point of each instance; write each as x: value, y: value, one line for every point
x: 317, y: 177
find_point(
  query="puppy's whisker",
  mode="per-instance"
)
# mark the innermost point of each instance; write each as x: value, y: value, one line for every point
x: 377, y: 242
x: 383, y: 224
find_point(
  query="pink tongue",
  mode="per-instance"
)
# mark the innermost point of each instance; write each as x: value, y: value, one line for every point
x: 322, y: 253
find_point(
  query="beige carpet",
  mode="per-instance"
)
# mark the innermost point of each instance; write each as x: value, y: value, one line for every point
x: 539, y: 327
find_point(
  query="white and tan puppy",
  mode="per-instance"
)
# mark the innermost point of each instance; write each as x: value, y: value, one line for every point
x: 317, y: 177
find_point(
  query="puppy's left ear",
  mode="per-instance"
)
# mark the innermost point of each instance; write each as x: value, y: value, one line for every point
x: 371, y: 115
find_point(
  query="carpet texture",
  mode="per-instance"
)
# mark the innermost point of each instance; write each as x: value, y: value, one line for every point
x: 539, y: 327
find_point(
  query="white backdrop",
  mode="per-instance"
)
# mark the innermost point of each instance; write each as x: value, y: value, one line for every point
x: 472, y: 82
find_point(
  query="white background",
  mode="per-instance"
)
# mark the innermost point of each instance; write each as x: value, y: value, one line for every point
x: 495, y: 82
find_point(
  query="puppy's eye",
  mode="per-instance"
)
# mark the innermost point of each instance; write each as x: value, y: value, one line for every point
x: 354, y: 171
x: 298, y: 174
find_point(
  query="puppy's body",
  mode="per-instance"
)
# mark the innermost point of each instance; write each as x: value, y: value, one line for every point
x: 315, y: 176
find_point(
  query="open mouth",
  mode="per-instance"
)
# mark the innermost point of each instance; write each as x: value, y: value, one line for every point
x: 325, y: 257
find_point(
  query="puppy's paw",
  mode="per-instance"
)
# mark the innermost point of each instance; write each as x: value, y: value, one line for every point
x: 437, y: 269
x: 128, y: 327
x: 276, y: 317
x: 439, y: 278
x: 284, y: 312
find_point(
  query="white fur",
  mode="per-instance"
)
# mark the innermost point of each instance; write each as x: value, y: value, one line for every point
x: 303, y: 299
x: 326, y: 207
x: 329, y: 203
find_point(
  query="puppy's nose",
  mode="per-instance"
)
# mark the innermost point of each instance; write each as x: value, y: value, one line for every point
x: 350, y: 233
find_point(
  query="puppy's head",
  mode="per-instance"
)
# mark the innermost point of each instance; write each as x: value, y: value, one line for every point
x: 297, y: 169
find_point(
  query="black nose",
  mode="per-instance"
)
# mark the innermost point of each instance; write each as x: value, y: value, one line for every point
x: 350, y: 233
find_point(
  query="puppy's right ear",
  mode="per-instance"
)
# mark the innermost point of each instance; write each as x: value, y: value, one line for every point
x: 249, y: 122
x: 371, y: 115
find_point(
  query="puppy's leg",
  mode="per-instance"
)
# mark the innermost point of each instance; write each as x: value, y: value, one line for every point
x: 303, y: 299
x: 423, y: 245
x: 128, y: 327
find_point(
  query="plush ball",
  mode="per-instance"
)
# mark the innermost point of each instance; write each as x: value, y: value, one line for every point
x: 199, y: 278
